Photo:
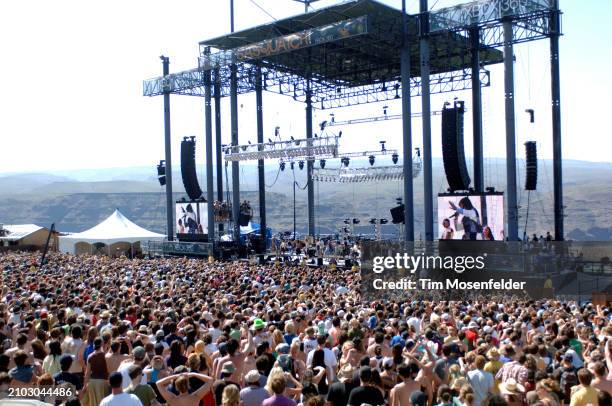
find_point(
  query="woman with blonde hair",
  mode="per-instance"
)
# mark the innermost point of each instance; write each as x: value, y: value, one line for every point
x: 278, y: 372
x: 230, y: 396
x: 277, y: 338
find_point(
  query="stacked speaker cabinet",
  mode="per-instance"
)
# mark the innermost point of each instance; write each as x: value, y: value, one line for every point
x: 531, y: 163
x: 161, y: 173
x: 397, y: 214
x: 453, y: 153
x: 188, y: 169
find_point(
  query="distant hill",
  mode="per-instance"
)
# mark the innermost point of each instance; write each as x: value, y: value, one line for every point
x: 118, y: 186
x: 23, y: 183
x: 77, y: 200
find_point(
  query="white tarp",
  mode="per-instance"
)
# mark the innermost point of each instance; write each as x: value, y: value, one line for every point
x: 116, y: 228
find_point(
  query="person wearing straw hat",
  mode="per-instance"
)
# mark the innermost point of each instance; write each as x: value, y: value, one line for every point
x: 512, y: 391
x: 493, y: 366
x: 339, y: 391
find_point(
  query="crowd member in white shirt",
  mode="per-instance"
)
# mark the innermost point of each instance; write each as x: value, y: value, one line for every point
x: 329, y: 358
x: 138, y: 356
x: 117, y: 396
x: 310, y: 341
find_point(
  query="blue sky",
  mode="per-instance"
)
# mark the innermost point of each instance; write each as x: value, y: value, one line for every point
x: 72, y: 76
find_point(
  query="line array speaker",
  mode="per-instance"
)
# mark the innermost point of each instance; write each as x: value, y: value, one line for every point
x: 453, y: 153
x: 531, y: 163
x: 188, y: 169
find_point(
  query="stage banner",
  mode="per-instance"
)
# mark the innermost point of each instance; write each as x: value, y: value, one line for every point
x: 486, y: 270
x: 287, y: 43
x: 483, y: 11
x: 177, y: 248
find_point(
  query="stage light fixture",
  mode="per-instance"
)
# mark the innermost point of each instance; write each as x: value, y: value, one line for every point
x: 301, y: 164
x: 322, y: 163
x: 282, y: 166
x: 395, y: 158
x: 383, y: 221
x: 292, y: 164
x: 371, y: 159
x: 356, y: 221
x: 372, y: 221
x: 364, y: 174
x: 346, y: 161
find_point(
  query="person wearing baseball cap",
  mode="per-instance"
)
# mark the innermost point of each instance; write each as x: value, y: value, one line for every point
x: 138, y: 358
x: 253, y: 394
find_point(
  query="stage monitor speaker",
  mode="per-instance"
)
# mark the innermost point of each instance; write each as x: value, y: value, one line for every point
x: 453, y: 153
x: 188, y: 169
x: 531, y: 164
x: 244, y: 219
x: 397, y: 214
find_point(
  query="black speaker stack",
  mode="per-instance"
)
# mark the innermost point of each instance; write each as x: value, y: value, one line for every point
x: 161, y: 173
x: 397, y: 214
x: 531, y: 163
x: 453, y: 153
x: 188, y: 169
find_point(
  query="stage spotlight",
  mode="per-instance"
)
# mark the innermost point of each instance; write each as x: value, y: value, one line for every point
x: 346, y: 161
x: 301, y: 165
x: 292, y: 165
x: 395, y: 158
x: 340, y: 134
x: 282, y: 166
x: 371, y: 159
x: 322, y: 163
x: 356, y: 221
x: 372, y: 221
x: 347, y: 221
x: 323, y: 124
x: 383, y: 221
x: 276, y: 131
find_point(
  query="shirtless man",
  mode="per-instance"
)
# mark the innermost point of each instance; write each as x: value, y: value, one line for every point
x: 114, y: 358
x: 184, y: 398
x: 235, y: 356
x: 600, y: 382
x: 400, y: 394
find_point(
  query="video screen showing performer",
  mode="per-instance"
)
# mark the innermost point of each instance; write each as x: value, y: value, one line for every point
x: 471, y: 217
x: 189, y: 219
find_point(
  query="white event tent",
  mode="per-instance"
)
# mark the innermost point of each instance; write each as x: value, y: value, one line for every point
x: 114, y: 236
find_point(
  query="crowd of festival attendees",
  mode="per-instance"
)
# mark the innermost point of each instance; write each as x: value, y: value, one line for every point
x: 189, y: 332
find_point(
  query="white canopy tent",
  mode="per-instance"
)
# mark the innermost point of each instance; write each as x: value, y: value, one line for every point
x: 115, y: 230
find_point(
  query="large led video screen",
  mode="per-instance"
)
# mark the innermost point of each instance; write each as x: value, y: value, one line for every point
x: 191, y: 218
x: 471, y: 216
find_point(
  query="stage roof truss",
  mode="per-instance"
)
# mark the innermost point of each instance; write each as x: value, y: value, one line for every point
x: 362, y: 65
